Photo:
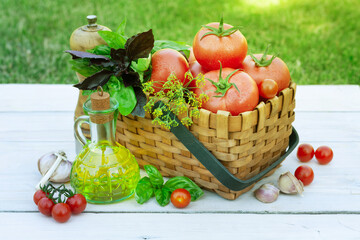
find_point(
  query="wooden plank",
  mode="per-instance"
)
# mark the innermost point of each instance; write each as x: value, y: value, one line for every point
x: 336, y: 187
x: 327, y: 98
x: 38, y: 97
x: 193, y: 226
x: 57, y: 126
x: 44, y: 97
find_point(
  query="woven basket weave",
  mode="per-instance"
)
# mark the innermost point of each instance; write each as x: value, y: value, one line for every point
x: 244, y: 144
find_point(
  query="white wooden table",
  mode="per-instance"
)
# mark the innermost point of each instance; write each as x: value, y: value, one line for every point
x: 35, y: 119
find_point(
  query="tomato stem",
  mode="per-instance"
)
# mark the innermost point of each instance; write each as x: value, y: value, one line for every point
x: 262, y: 62
x: 223, y: 85
x: 220, y: 31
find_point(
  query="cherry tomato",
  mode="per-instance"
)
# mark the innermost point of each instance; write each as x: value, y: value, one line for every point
x: 233, y: 101
x: 305, y: 152
x: 77, y: 203
x: 324, y: 155
x: 39, y: 194
x: 268, y: 88
x: 230, y: 50
x: 191, y: 58
x: 61, y: 212
x: 166, y: 62
x: 45, y: 206
x: 277, y: 70
x: 180, y: 198
x: 305, y: 174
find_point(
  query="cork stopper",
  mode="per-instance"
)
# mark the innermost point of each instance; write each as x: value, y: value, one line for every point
x: 100, y: 101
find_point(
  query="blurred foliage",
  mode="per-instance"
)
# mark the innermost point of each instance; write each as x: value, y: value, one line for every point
x: 317, y: 39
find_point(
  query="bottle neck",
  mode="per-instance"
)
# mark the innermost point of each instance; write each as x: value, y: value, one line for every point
x: 103, y: 132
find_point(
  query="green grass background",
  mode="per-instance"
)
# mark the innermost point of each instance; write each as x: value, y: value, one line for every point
x: 319, y: 40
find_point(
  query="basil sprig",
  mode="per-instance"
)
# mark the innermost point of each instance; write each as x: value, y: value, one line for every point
x: 154, y: 185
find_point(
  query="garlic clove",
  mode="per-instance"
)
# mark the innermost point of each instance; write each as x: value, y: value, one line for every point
x: 289, y: 184
x: 267, y: 193
x: 62, y: 171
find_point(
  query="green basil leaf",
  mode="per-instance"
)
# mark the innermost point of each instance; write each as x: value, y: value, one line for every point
x: 155, y: 176
x: 144, y: 190
x: 141, y: 65
x: 83, y: 67
x: 124, y: 95
x: 178, y: 46
x: 113, y: 39
x: 103, y: 50
x: 162, y: 196
x: 186, y: 183
x: 121, y: 29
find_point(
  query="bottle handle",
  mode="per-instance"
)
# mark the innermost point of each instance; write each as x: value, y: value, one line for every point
x: 79, y: 135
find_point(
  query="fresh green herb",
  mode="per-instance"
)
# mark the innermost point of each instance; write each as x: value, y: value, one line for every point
x: 119, y: 68
x: 178, y: 46
x: 175, y: 98
x: 153, y: 185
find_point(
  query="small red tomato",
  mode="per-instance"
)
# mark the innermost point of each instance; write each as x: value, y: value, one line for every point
x: 324, y: 154
x: 77, y: 203
x: 180, y: 198
x: 39, y: 194
x: 305, y: 174
x: 305, y: 152
x: 268, y: 88
x: 61, y: 212
x: 45, y: 206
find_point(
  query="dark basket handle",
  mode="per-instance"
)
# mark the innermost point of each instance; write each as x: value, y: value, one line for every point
x: 215, y: 167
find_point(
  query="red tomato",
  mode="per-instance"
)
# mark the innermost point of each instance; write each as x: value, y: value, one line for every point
x: 45, y: 206
x: 324, y: 155
x: 39, y: 194
x: 305, y: 174
x: 77, y: 203
x: 210, y: 49
x: 305, y: 152
x: 191, y: 56
x: 277, y: 70
x: 61, y: 212
x: 180, y: 198
x: 196, y: 68
x: 233, y: 100
x: 164, y: 63
x: 268, y: 88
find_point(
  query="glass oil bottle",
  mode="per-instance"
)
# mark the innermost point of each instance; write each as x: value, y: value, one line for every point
x: 104, y: 171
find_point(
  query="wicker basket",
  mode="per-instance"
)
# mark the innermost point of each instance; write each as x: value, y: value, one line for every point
x: 244, y: 144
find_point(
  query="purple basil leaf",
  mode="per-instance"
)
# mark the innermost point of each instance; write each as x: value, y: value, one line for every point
x: 141, y: 102
x: 139, y: 45
x: 80, y: 54
x: 131, y: 79
x: 119, y: 56
x: 102, y: 62
x: 98, y: 79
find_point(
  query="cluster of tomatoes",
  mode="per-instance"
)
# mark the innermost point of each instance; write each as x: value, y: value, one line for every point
x: 234, y: 81
x: 49, y: 205
x: 305, y: 153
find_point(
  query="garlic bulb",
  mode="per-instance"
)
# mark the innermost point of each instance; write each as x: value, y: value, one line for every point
x: 55, y: 167
x: 267, y: 193
x: 289, y: 184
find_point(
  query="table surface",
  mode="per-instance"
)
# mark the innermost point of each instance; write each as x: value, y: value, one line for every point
x: 36, y: 119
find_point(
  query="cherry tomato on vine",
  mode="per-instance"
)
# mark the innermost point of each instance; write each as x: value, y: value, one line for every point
x: 77, y: 203
x: 45, y: 206
x: 61, y: 212
x: 180, y: 198
x: 305, y: 174
x: 305, y: 152
x: 39, y: 194
x: 324, y: 154
x: 268, y: 88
